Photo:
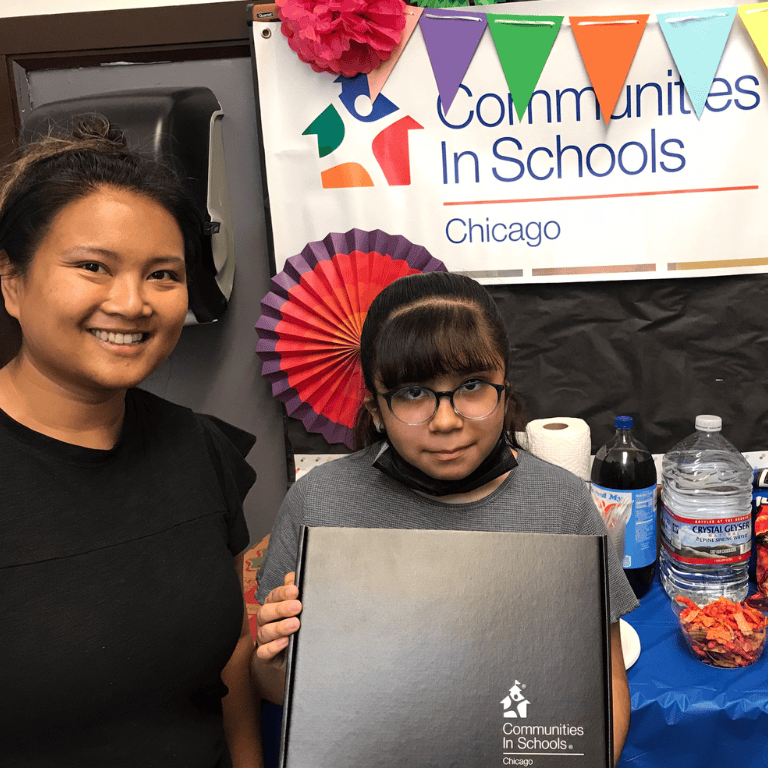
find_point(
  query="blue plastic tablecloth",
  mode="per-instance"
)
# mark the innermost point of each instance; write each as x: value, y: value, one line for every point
x: 720, y: 715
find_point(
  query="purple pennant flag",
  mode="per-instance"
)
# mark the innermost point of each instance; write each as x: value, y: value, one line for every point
x: 451, y: 37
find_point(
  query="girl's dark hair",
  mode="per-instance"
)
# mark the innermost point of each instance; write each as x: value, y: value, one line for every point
x: 428, y: 325
x: 61, y: 168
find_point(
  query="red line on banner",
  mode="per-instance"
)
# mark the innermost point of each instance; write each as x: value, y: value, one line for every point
x: 602, y: 197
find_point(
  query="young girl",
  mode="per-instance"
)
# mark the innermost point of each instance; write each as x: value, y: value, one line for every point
x: 123, y: 635
x: 438, y: 452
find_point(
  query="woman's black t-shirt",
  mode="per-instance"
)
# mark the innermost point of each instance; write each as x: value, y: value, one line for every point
x: 119, y: 600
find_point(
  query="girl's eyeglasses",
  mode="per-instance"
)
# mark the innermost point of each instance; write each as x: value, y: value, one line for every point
x: 417, y: 404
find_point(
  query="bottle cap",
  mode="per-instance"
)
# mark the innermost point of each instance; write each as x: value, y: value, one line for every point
x: 623, y: 422
x: 708, y: 423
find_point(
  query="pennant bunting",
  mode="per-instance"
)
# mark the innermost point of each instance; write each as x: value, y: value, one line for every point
x: 696, y: 40
x: 607, y: 45
x: 523, y: 44
x: 451, y: 38
x: 755, y: 20
x: 378, y: 77
x: 442, y: 3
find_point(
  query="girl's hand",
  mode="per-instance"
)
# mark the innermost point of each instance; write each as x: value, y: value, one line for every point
x: 277, y: 620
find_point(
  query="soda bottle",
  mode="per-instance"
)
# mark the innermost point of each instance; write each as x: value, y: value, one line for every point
x: 624, y: 484
x: 706, y: 497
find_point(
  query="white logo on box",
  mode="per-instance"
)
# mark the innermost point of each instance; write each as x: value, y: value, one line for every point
x: 515, y: 705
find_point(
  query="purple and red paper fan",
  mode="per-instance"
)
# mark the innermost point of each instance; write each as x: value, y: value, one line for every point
x: 309, y: 329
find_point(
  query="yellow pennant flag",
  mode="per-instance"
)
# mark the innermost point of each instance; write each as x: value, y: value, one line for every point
x: 755, y: 19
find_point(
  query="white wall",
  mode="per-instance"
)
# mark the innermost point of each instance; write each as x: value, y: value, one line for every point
x: 40, y: 7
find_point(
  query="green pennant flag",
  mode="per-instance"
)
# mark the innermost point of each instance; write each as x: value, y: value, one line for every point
x: 523, y: 44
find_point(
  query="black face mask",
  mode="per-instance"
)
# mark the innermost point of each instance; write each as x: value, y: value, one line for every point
x: 499, y: 461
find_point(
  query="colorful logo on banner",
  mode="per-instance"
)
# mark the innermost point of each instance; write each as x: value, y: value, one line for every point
x: 389, y: 146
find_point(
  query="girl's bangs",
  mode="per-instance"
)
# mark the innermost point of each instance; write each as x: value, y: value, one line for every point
x: 434, y: 339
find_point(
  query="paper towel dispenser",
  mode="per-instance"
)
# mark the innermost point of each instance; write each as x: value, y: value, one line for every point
x: 182, y: 126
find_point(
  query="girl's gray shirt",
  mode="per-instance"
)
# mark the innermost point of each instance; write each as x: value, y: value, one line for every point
x: 348, y: 492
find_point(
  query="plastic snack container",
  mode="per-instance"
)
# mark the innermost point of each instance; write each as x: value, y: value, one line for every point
x: 722, y: 633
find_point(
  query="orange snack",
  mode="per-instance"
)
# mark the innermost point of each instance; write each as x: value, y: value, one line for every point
x: 723, y: 633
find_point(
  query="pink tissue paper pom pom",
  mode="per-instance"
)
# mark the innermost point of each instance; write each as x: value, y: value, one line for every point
x: 345, y: 37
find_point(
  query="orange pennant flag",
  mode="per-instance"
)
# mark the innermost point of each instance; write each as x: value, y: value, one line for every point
x: 607, y: 45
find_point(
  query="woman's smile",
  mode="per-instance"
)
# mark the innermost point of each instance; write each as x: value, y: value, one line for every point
x: 122, y: 346
x: 120, y: 338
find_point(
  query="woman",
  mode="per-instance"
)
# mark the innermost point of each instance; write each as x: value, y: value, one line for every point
x: 438, y: 451
x: 123, y: 640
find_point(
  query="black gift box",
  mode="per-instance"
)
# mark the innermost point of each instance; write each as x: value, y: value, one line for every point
x: 449, y: 648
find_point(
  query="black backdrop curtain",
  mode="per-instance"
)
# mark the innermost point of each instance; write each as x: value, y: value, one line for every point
x: 661, y: 351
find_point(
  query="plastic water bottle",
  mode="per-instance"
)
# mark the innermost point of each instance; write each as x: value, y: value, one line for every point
x: 706, y: 498
x: 624, y: 484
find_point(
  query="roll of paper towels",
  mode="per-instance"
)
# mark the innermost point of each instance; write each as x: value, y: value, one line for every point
x: 563, y: 441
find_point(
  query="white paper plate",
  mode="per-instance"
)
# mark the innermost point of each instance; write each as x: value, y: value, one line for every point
x: 630, y: 643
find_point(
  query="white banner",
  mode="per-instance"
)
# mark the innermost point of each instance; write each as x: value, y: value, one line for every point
x: 556, y: 197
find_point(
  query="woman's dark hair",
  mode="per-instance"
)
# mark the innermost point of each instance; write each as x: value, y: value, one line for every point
x: 61, y: 168
x: 428, y: 325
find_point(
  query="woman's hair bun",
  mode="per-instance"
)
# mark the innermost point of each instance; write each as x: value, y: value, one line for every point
x: 96, y: 128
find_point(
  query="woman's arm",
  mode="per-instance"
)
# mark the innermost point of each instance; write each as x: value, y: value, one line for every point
x: 620, y: 686
x: 241, y: 718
